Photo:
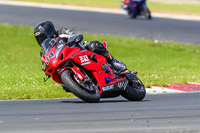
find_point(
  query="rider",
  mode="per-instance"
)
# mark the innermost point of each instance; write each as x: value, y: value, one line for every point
x: 132, y: 2
x: 46, y: 29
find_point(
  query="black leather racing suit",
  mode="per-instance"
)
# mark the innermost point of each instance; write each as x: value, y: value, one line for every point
x: 69, y: 36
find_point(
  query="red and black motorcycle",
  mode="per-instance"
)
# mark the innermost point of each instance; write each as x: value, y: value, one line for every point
x: 87, y: 74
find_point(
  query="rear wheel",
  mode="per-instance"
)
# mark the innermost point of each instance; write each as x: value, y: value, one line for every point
x: 135, y: 90
x: 147, y: 13
x: 85, y: 89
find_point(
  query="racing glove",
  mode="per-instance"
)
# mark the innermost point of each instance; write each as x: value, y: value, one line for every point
x: 69, y: 36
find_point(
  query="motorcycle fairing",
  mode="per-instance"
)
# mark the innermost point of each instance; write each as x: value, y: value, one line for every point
x: 96, y: 68
x: 82, y: 58
x: 62, y: 53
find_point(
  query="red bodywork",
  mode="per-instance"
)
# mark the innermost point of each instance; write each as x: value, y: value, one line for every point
x: 56, y: 61
x: 126, y: 2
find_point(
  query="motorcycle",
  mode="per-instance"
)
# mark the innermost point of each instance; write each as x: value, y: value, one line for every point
x: 87, y: 74
x: 134, y: 9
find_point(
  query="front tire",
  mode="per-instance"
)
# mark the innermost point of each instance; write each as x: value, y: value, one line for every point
x: 131, y: 14
x: 71, y: 83
x: 135, y: 90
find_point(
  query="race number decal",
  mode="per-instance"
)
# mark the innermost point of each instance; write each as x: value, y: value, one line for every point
x: 84, y: 60
x: 51, y: 55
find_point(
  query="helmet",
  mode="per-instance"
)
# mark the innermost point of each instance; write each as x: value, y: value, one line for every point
x: 43, y: 31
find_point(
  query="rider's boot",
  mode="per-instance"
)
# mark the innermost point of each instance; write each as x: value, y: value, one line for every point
x: 118, y: 66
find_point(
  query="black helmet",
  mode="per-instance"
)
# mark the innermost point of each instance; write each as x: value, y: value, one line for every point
x: 43, y: 31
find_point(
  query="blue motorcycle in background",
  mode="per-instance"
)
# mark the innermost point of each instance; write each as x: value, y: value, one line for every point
x: 136, y: 8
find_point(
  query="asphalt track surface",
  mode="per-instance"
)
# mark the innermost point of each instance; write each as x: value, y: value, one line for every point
x: 168, y: 113
x: 156, y: 113
x: 105, y: 23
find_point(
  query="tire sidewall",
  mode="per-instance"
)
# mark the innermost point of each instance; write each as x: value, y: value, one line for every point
x: 77, y: 90
x: 134, y: 94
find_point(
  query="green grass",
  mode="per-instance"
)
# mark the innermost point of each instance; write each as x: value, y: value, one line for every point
x: 154, y: 6
x: 92, y: 3
x: 177, y: 8
x: 159, y: 63
x: 20, y: 67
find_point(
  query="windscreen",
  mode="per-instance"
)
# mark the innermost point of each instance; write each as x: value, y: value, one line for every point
x: 46, y: 46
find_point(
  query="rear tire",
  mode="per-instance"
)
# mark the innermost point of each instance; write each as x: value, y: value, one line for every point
x: 147, y: 13
x: 70, y: 83
x: 135, y: 91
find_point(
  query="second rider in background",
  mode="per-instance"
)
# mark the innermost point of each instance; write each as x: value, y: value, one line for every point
x: 132, y: 2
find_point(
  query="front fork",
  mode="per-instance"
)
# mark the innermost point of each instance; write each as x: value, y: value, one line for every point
x: 72, y: 66
x: 80, y: 76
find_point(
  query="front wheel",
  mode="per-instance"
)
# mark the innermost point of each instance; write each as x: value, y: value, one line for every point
x: 135, y: 90
x: 85, y: 90
x: 131, y: 14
